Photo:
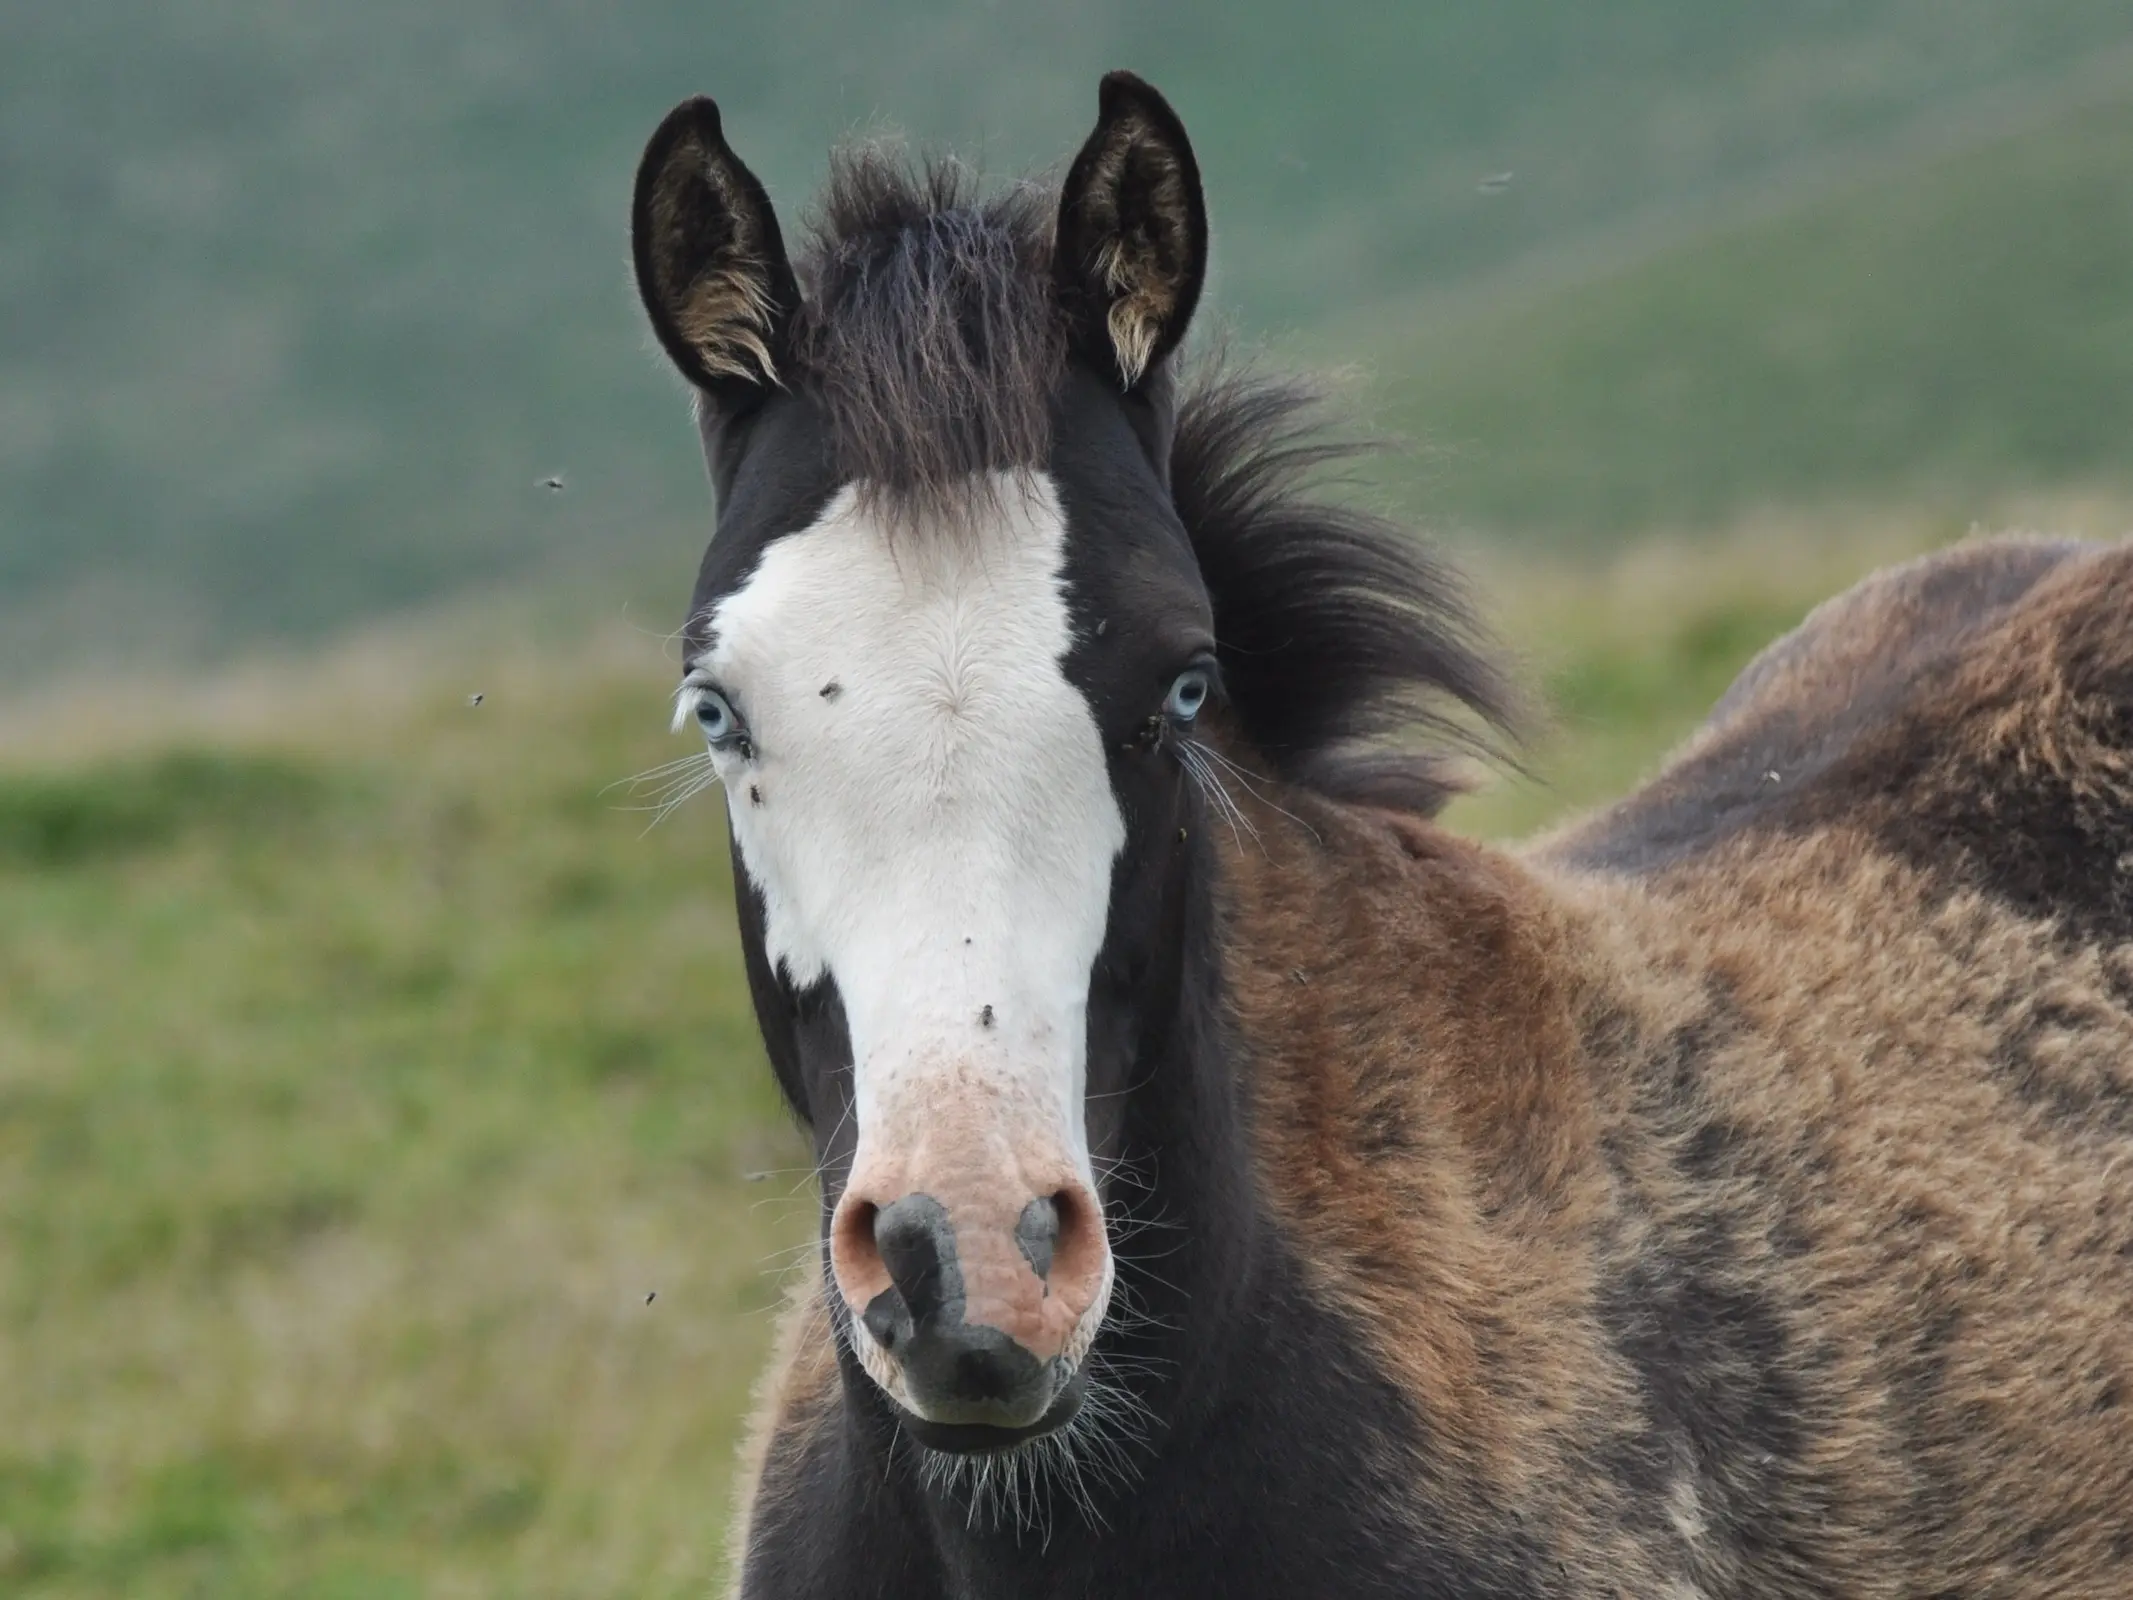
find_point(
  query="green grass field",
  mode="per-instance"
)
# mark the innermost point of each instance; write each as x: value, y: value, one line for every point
x: 359, y: 1087
x: 366, y: 1070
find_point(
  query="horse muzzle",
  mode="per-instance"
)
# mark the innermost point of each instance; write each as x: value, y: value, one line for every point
x: 973, y: 1299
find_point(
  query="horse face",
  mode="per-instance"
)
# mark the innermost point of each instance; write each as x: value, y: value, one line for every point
x: 946, y: 728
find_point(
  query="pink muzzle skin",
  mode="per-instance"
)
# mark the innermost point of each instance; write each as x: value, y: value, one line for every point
x: 973, y: 1259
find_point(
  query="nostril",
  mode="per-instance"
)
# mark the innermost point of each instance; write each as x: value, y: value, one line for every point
x: 888, y: 1319
x: 1037, y: 1233
x: 917, y: 1249
x: 1080, y: 1250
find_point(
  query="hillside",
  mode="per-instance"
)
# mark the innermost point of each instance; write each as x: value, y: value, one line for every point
x: 299, y: 302
x: 1952, y: 333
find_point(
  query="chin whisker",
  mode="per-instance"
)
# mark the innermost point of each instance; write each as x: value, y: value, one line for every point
x: 1096, y: 1454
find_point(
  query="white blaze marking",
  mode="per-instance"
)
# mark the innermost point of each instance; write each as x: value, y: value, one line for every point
x: 938, y: 834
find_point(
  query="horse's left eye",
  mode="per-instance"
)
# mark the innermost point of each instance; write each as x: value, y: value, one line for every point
x: 1187, y: 695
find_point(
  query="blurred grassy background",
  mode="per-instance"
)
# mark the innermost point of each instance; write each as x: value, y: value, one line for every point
x: 367, y: 1074
x: 391, y: 1192
x: 301, y: 301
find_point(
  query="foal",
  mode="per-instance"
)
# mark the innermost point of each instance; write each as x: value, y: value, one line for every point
x: 1232, y: 1183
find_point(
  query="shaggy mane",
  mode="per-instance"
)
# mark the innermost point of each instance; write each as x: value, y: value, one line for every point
x: 1343, y: 639
x: 929, y: 330
x: 931, y: 336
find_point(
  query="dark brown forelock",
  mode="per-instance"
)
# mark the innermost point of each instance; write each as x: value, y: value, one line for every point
x: 929, y: 332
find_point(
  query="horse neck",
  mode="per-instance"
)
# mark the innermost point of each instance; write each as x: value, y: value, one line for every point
x: 1401, y: 994
x: 1372, y: 1056
x: 1422, y: 1123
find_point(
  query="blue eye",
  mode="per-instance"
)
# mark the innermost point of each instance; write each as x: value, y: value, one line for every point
x: 1188, y: 694
x: 720, y: 723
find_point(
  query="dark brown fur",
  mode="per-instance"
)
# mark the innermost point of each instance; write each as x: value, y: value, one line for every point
x: 928, y: 330
x: 1739, y: 1187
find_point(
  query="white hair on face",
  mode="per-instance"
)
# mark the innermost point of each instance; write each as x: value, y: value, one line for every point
x: 925, y: 805
x: 953, y: 760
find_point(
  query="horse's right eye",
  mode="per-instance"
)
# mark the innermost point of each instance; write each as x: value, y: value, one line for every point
x: 716, y: 716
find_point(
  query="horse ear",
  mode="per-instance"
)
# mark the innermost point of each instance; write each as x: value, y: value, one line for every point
x: 1132, y: 239
x: 711, y: 264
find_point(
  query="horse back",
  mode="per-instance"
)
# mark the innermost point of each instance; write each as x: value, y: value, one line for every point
x: 1969, y: 713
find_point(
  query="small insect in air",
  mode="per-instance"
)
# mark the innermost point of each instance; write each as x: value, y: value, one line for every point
x: 553, y: 483
x: 475, y: 698
x: 1494, y: 183
x: 654, y: 1295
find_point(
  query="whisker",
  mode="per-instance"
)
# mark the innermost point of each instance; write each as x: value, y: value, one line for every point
x: 1127, y: 1169
x: 1229, y: 801
x: 1139, y: 1257
x: 1195, y: 756
x: 850, y: 1106
x: 787, y: 1254
x: 1210, y: 786
x: 1128, y: 1223
x: 636, y: 780
x: 666, y: 803
x: 673, y: 802
x: 1097, y: 1454
x: 1246, y: 778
